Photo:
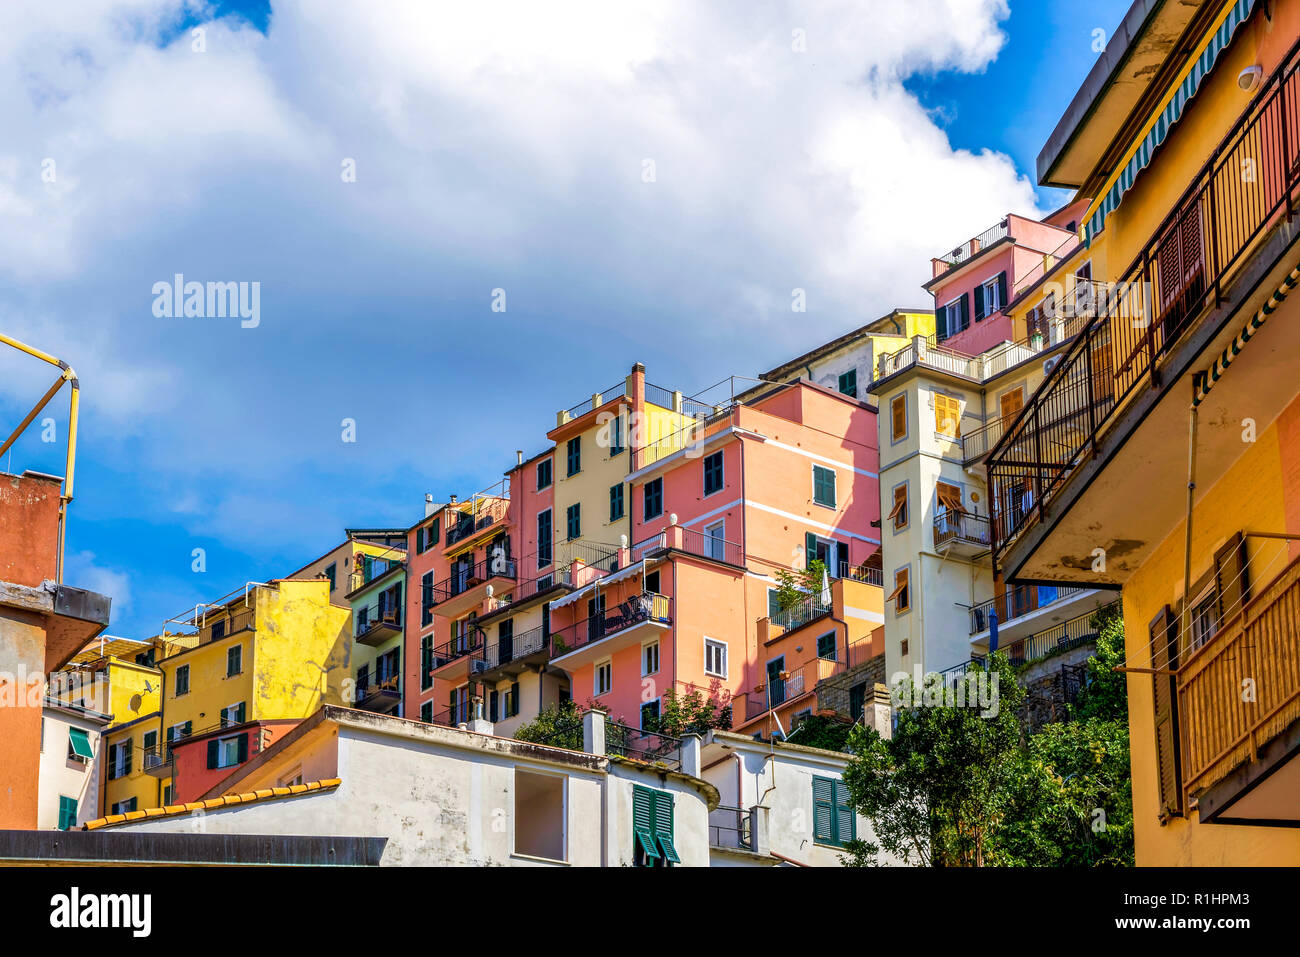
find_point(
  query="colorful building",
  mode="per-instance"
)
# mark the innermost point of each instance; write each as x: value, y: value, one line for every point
x: 1160, y: 454
x: 71, y: 765
x: 264, y: 658
x: 377, y: 595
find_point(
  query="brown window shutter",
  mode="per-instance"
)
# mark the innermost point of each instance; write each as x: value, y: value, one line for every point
x: 1164, y: 655
x: 1231, y: 578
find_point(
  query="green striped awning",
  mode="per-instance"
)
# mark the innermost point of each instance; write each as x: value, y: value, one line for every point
x: 1204, y: 381
x: 1166, y: 118
x: 80, y: 742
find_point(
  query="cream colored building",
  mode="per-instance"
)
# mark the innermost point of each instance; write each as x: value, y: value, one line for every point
x: 68, y: 788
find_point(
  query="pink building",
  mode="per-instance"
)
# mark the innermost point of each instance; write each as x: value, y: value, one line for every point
x: 973, y: 283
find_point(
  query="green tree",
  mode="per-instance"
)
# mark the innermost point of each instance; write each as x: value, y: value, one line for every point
x: 820, y: 731
x: 692, y: 713
x: 794, y: 586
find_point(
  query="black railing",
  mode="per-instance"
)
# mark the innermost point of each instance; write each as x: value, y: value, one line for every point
x: 969, y: 248
x: 1068, y: 634
x: 642, y: 745
x: 467, y: 576
x: 376, y: 616
x: 801, y: 612
x: 502, y: 651
x: 952, y: 526
x: 1199, y: 248
x: 731, y: 827
x: 711, y: 546
x: 609, y: 395
x: 633, y: 611
x: 467, y: 643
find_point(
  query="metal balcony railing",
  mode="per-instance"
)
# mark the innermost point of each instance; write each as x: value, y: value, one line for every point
x: 731, y: 827
x: 802, y: 612
x: 708, y: 546
x: 1262, y: 643
x: 1017, y: 602
x: 1077, y: 631
x: 969, y: 248
x: 1184, y: 267
x: 376, y: 616
x: 502, y: 651
x: 468, y: 643
x: 951, y: 527
x: 609, y: 395
x: 649, y: 745
x: 467, y: 576
x: 640, y: 608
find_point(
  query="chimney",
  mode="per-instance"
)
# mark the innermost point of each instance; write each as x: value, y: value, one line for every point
x: 453, y: 500
x: 428, y: 504
x: 519, y: 456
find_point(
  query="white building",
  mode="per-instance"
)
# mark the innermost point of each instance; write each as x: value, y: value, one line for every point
x: 68, y: 783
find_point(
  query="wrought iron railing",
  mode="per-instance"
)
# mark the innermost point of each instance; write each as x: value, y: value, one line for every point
x: 1184, y: 267
x: 801, y: 612
x: 640, y: 608
x: 731, y: 827
x: 969, y: 248
x: 467, y: 576
x: 952, y: 526
x: 502, y: 651
x: 1078, y: 631
x: 1018, y: 601
x: 642, y: 745
x: 376, y: 616
x: 708, y: 546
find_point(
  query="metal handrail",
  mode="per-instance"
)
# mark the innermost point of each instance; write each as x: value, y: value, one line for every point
x: 1146, y: 313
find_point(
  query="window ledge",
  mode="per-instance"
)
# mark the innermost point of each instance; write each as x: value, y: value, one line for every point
x: 540, y: 860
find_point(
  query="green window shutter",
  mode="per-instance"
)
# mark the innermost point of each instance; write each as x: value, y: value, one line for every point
x: 212, y: 753
x: 240, y: 713
x: 80, y: 742
x: 773, y: 606
x: 514, y: 699
x: 127, y: 769
x: 824, y: 810
x: 643, y: 813
x: 67, y: 813
x: 186, y: 729
x: 242, y: 756
x: 809, y: 549
x: 846, y: 822
x: 663, y: 825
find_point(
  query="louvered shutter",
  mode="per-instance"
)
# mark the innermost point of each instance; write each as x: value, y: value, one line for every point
x: 1002, y: 290
x: 1164, y: 655
x: 242, y: 754
x: 1231, y: 578
x: 127, y: 745
x: 979, y: 303
x: 940, y: 323
x: 213, y: 747
x: 846, y: 822
x: 663, y: 825
x: 809, y: 549
x: 824, y: 810
x: 643, y: 809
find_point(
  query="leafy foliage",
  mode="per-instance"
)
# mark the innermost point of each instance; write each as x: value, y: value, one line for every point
x: 820, y: 731
x: 693, y: 713
x: 954, y: 788
x: 560, y: 726
x: 794, y: 586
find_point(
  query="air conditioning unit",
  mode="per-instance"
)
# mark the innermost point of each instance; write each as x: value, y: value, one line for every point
x: 478, y: 665
x: 1050, y: 364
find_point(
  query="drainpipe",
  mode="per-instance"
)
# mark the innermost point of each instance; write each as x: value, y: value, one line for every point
x: 1191, y: 494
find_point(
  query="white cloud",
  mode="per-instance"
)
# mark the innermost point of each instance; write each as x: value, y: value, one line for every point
x: 85, y: 571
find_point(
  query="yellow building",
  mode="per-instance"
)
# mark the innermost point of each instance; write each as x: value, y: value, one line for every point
x: 270, y: 653
x: 128, y: 751
x: 340, y: 562
x: 1162, y: 452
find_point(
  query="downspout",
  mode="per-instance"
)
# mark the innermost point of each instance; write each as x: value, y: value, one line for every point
x: 1191, y: 494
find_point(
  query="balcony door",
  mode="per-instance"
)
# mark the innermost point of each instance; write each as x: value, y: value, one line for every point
x: 948, y: 509
x: 505, y: 641
x: 715, y: 540
x: 775, y: 683
x: 596, y: 617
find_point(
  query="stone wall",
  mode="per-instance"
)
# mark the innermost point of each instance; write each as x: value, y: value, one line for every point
x: 833, y: 692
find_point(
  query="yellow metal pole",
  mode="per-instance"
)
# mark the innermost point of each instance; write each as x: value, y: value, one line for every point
x: 36, y: 410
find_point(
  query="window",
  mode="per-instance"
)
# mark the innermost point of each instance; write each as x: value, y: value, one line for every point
x: 713, y: 473
x: 616, y: 502
x: 823, y: 486
x: 539, y: 815
x: 650, y: 716
x: 1010, y: 404
x: 652, y: 583
x: 426, y: 712
x: 169, y: 793
x: 512, y: 701
x: 898, y: 417
x: 426, y: 599
x: 544, y: 539
x: 79, y: 746
x: 715, y: 658
x: 124, y: 807
x: 947, y: 415
x: 652, y: 826
x: 67, y: 813
x: 826, y: 646
x: 574, y: 451
x: 1205, y: 617
x: 219, y: 630
x: 182, y: 681
x: 715, y: 540
x: 952, y: 318
x: 426, y: 662
x: 849, y: 383
x: 653, y: 498
x: 178, y: 731
x: 948, y: 507
x: 899, y: 513
x: 234, y: 660
x: 150, y: 740
x: 573, y: 520
x: 233, y: 714
x: 834, y: 822
x: 773, y: 602
x: 119, y: 759
x: 227, y: 752
x: 331, y: 572
x: 649, y: 658
x: 990, y: 296
x: 1083, y: 287
x: 604, y: 678
x: 901, y: 596
x: 543, y: 474
x: 616, y: 435
x: 857, y: 700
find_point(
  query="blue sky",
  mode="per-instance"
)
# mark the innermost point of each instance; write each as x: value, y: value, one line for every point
x: 496, y: 146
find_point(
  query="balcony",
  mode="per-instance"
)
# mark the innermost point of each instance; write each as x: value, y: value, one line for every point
x: 157, y: 761
x: 465, y: 588
x: 507, y: 657
x: 373, y: 568
x: 451, y: 660
x: 1024, y: 609
x: 1241, y: 758
x: 1113, y: 409
x: 961, y: 533
x: 628, y: 623
x: 770, y: 689
x: 380, y: 696
x: 376, y: 622
x: 692, y: 542
x: 971, y: 247
x: 733, y: 828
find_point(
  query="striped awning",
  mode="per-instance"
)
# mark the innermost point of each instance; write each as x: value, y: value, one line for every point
x: 1165, y: 118
x: 1204, y: 381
